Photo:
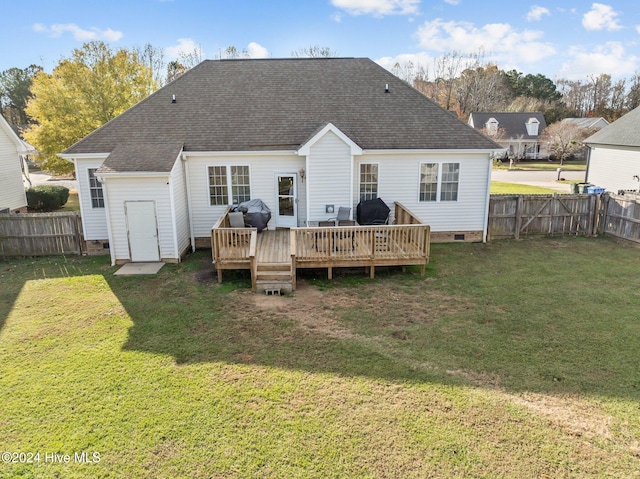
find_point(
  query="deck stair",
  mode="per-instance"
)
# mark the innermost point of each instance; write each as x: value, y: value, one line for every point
x: 274, y: 277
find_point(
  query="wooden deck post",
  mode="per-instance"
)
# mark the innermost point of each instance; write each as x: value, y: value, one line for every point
x: 292, y: 251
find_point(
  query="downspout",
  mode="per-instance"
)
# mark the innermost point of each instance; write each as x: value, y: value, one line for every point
x: 586, y: 173
x: 486, y: 206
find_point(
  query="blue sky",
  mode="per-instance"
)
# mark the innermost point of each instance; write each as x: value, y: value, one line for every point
x: 559, y: 38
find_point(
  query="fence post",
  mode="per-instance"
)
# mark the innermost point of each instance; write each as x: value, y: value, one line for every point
x: 518, y: 222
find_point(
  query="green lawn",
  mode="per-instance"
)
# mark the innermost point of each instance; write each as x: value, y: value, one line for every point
x: 510, y: 359
x: 502, y: 188
x: 569, y: 165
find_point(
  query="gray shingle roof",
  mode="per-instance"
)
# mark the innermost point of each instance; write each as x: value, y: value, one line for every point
x: 253, y: 105
x: 625, y: 131
x: 512, y: 124
x: 597, y: 122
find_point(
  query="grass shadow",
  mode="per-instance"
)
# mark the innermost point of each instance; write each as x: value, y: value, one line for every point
x: 548, y: 316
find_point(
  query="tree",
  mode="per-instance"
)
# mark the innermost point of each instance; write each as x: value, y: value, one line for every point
x: 633, y: 96
x: 535, y: 86
x: 314, y: 51
x: 564, y: 139
x: 153, y: 58
x: 482, y: 88
x: 84, y: 92
x: 15, y: 91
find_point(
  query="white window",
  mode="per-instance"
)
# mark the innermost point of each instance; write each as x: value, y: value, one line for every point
x: 229, y: 185
x: 368, y: 181
x: 95, y: 190
x: 439, y: 181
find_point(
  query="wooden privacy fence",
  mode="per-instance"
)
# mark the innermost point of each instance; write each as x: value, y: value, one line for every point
x: 40, y: 234
x: 620, y: 216
x: 513, y: 216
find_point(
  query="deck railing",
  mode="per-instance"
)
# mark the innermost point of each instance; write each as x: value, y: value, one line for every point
x: 232, y: 248
x: 405, y: 243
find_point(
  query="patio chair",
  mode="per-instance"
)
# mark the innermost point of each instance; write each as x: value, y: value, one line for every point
x: 343, y: 214
x: 236, y: 219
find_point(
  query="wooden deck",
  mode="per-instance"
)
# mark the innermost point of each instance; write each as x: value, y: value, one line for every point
x: 274, y: 256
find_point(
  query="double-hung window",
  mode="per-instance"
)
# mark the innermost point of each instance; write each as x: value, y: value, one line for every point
x: 95, y: 190
x: 439, y: 181
x: 368, y: 181
x: 229, y: 185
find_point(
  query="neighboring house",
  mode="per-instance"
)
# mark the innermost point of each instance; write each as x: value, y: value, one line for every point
x: 595, y: 124
x: 590, y: 126
x: 305, y: 136
x: 12, y: 166
x: 518, y: 133
x: 614, y: 157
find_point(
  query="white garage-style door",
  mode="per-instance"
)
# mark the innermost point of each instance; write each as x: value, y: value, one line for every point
x: 142, y: 230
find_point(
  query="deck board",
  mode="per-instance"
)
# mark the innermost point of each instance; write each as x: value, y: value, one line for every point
x: 273, y: 246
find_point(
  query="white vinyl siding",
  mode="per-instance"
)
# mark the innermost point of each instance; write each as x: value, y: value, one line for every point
x: 12, y: 194
x: 94, y: 220
x: 329, y: 176
x: 262, y: 169
x: 613, y: 167
x: 180, y: 207
x: 399, y: 180
x: 121, y: 190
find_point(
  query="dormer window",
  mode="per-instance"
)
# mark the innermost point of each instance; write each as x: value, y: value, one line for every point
x: 491, y: 126
x: 532, y: 126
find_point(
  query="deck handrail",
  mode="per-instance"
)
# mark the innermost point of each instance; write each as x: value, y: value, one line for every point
x: 359, y: 242
x: 404, y: 216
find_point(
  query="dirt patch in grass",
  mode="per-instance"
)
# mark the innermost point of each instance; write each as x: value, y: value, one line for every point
x: 572, y: 414
x: 321, y: 311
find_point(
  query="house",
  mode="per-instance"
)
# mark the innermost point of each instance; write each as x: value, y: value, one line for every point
x: 306, y: 136
x: 518, y: 133
x: 595, y: 124
x: 614, y: 156
x: 588, y: 126
x: 13, y: 152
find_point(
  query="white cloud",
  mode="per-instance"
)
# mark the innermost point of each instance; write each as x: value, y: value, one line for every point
x: 609, y: 58
x: 185, y: 46
x: 638, y: 29
x: 56, y: 30
x: 452, y: 2
x: 501, y: 42
x: 536, y: 13
x: 601, y: 17
x: 255, y: 50
x: 336, y: 17
x: 378, y: 8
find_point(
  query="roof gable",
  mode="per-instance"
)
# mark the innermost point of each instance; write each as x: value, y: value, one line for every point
x: 21, y: 146
x: 306, y: 147
x: 267, y: 105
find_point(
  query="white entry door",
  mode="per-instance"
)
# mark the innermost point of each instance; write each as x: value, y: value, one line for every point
x: 142, y: 229
x: 287, y: 201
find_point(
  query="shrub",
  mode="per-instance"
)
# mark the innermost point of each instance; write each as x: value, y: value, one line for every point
x: 46, y: 198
